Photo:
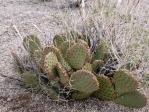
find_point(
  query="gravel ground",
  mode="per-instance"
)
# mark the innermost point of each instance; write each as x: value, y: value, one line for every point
x: 19, y: 18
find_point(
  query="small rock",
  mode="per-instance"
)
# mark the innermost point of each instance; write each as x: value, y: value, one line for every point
x: 8, y: 99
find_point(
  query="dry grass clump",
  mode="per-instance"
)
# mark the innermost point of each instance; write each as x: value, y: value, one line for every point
x: 122, y: 23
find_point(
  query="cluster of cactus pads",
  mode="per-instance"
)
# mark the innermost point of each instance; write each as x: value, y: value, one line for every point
x: 71, y: 69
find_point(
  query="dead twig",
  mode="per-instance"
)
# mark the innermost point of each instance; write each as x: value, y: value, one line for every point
x: 17, y: 31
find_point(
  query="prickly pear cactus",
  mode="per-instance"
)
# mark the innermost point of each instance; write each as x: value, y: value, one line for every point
x: 58, y: 40
x: 106, y: 90
x: 66, y: 66
x: 76, y: 56
x: 65, y: 46
x: 96, y: 65
x: 133, y: 99
x: 31, y: 43
x: 85, y: 38
x: 50, y: 64
x: 84, y: 81
x: 63, y: 75
x: 80, y: 95
x: 87, y: 66
x: 124, y: 82
x: 51, y: 93
x: 38, y: 57
x: 85, y: 44
x: 65, y: 37
x: 31, y: 81
x: 75, y: 68
x: 101, y: 52
x: 53, y: 49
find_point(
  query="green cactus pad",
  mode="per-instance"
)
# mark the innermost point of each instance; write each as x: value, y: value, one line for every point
x: 58, y: 40
x: 84, y: 81
x: 31, y: 81
x: 68, y: 36
x: 51, y: 93
x: 124, y: 82
x: 31, y: 43
x: 101, y: 52
x: 76, y: 56
x: 132, y: 99
x: 53, y: 49
x: 80, y: 95
x: 66, y: 66
x: 87, y: 49
x: 63, y: 75
x: 85, y: 38
x: 65, y: 46
x: 50, y: 64
x: 87, y: 66
x: 54, y: 83
x: 106, y: 90
x: 39, y: 58
x: 19, y: 66
x: 96, y: 65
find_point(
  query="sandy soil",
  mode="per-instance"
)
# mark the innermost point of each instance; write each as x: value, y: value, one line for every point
x: 19, y: 18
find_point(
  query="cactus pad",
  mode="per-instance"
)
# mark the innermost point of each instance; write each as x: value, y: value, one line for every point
x: 52, y: 94
x: 87, y: 49
x: 66, y: 66
x: 58, y: 40
x: 50, y: 64
x: 68, y: 36
x: 84, y: 81
x: 39, y: 58
x: 54, y: 83
x: 124, y: 82
x: 106, y: 90
x: 53, y: 49
x: 96, y: 65
x: 63, y: 75
x: 76, y: 56
x: 87, y: 66
x: 31, y: 43
x: 65, y: 46
x: 85, y: 38
x: 80, y: 95
x: 31, y: 80
x: 132, y: 99
x: 101, y: 52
